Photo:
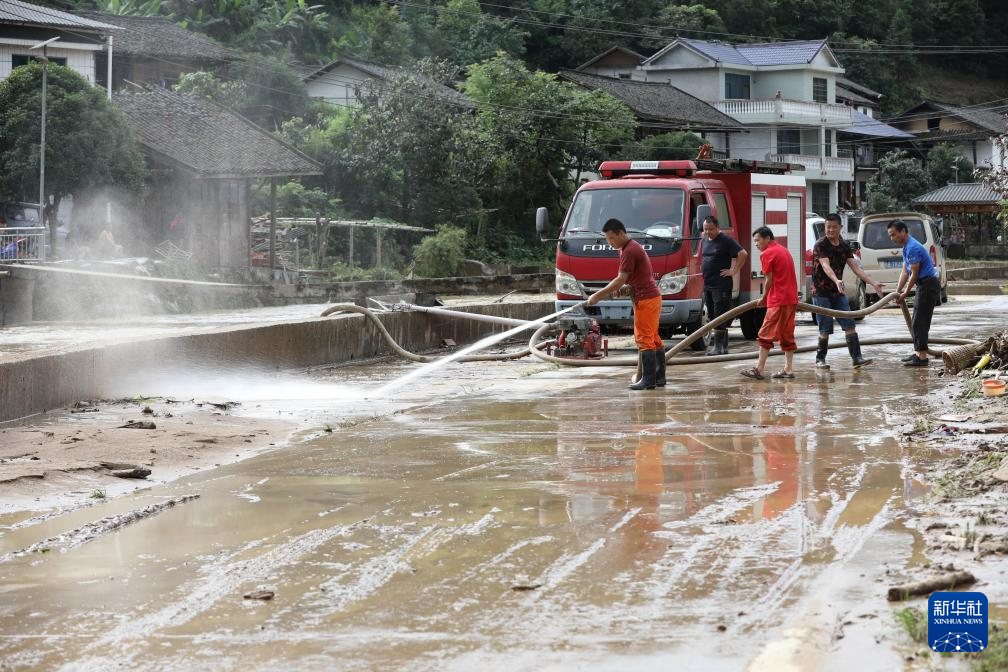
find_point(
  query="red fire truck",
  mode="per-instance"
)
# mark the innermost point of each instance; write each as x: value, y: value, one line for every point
x: 663, y: 205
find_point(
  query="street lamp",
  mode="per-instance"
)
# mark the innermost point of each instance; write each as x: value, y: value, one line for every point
x: 41, y: 188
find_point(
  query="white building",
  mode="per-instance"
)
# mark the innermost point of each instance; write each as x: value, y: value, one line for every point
x: 340, y: 81
x: 23, y: 25
x: 785, y: 93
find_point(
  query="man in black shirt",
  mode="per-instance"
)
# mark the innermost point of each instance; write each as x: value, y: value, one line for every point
x: 723, y: 258
x: 830, y: 256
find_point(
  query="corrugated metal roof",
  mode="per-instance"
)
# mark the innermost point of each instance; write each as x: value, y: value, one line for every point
x: 657, y: 102
x: 966, y: 193
x: 760, y: 53
x: 14, y: 11
x: 862, y: 124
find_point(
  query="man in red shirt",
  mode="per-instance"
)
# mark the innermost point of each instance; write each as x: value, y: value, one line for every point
x: 635, y: 270
x: 780, y: 296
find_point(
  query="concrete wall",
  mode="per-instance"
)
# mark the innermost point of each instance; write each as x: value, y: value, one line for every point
x: 83, y: 295
x: 705, y: 84
x: 44, y: 382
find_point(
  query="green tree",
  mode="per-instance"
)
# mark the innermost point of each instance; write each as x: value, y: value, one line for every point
x: 946, y: 163
x: 541, y: 134
x: 687, y: 20
x: 376, y: 32
x: 407, y: 151
x: 899, y: 180
x: 440, y: 255
x: 260, y: 88
x: 89, y: 146
x: 465, y: 34
x: 663, y: 147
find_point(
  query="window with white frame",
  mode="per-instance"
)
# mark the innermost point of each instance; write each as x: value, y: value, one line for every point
x: 819, y: 89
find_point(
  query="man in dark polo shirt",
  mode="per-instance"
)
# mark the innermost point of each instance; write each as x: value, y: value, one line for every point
x: 635, y: 270
x: 723, y: 258
x: 831, y: 255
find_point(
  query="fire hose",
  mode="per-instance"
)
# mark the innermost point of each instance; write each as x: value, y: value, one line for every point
x: 536, y: 346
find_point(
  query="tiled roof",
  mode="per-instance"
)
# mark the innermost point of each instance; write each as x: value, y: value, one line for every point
x: 855, y: 86
x: 207, y: 139
x: 990, y: 119
x: 158, y: 37
x: 987, y: 119
x: 870, y: 127
x: 14, y: 11
x: 629, y: 52
x: 843, y: 93
x: 966, y: 193
x: 657, y: 102
x: 385, y: 73
x: 759, y: 53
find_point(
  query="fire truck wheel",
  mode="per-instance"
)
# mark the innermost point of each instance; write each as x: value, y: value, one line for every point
x: 751, y: 322
x: 700, y: 343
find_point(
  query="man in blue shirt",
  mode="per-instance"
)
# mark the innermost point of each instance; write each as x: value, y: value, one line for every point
x: 919, y: 270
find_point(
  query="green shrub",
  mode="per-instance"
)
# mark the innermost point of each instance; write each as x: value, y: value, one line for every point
x: 440, y: 255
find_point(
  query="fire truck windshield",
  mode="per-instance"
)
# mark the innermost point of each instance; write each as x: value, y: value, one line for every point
x: 655, y: 211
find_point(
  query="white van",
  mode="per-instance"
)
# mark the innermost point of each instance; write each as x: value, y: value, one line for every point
x: 882, y: 259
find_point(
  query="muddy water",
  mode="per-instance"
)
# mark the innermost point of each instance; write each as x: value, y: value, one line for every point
x: 545, y: 521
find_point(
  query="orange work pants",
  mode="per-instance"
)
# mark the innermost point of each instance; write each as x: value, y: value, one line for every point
x: 645, y: 323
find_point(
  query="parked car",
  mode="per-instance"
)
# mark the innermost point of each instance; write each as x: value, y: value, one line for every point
x: 16, y: 214
x: 882, y: 259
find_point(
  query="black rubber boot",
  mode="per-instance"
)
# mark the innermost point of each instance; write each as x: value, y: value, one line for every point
x: 647, y: 381
x: 722, y: 341
x: 659, y: 380
x: 820, y: 357
x: 711, y: 343
x: 854, y: 347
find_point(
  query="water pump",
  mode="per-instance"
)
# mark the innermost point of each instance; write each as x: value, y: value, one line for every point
x: 580, y: 338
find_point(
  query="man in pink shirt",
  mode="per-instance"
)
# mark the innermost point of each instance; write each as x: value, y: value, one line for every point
x: 780, y: 296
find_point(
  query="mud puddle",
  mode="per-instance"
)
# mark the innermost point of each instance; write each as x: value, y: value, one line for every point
x: 507, y: 521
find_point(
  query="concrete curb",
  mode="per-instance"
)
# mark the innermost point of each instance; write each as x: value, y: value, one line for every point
x: 50, y: 380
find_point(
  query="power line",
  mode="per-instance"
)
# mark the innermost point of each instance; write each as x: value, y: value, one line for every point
x: 329, y: 77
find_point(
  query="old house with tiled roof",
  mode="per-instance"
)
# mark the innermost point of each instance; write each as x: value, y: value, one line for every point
x: 156, y: 50
x: 653, y: 103
x: 202, y: 160
x: 969, y: 127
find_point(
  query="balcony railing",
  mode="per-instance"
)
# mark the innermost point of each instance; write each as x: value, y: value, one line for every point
x: 22, y: 243
x: 779, y: 111
x: 830, y: 167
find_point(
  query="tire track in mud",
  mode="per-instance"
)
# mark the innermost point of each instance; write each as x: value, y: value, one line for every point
x: 79, y: 536
x: 224, y: 577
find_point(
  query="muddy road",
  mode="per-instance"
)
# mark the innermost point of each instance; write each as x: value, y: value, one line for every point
x: 511, y: 517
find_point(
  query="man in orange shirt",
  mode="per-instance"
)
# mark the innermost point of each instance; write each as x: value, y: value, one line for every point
x: 780, y: 296
x: 635, y: 270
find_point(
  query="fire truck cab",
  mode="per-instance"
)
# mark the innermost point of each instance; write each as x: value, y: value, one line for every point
x: 662, y: 204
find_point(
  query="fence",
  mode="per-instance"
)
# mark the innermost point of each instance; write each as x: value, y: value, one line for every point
x: 22, y: 243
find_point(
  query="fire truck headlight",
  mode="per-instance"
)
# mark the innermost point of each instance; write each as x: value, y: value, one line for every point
x: 674, y: 282
x: 567, y: 284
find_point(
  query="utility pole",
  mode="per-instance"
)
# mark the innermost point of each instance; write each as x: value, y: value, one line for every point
x: 42, y: 145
